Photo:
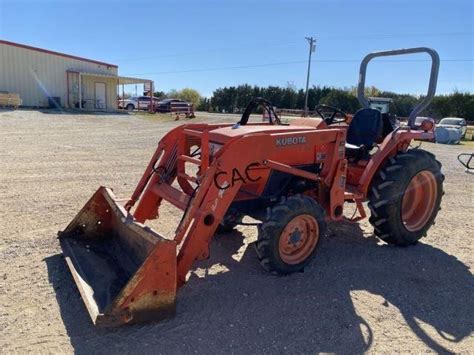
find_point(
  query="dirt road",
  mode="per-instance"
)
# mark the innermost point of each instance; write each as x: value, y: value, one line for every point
x: 358, y: 294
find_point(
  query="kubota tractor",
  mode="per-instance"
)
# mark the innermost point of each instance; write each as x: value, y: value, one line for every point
x: 292, y: 177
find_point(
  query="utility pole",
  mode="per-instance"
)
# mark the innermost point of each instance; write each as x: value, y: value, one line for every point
x: 312, y: 47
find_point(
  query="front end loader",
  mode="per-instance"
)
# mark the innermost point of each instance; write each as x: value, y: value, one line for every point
x: 292, y: 177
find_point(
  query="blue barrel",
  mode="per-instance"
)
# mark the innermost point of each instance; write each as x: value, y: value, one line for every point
x: 445, y: 135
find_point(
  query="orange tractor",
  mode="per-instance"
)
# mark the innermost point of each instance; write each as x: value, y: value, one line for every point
x: 292, y: 177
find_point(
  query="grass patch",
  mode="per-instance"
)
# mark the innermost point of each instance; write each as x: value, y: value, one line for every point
x: 467, y: 143
x: 161, y: 117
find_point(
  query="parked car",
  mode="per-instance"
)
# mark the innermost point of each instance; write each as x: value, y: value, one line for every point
x: 454, y: 122
x: 173, y: 105
x: 137, y: 103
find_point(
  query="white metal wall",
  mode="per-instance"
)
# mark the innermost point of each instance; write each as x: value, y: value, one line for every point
x: 36, y: 75
x: 88, y: 87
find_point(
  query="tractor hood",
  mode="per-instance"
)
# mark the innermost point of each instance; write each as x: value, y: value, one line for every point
x: 224, y: 134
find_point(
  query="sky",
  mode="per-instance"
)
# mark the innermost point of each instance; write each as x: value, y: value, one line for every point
x: 207, y: 44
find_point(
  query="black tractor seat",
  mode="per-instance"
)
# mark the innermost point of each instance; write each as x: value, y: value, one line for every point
x: 365, y: 130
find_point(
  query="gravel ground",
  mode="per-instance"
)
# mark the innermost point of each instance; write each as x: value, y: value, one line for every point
x: 357, y: 295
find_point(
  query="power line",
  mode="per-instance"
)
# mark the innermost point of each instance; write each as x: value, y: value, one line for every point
x: 293, y: 62
x: 205, y: 51
x: 398, y: 35
x: 222, y: 68
x: 274, y: 44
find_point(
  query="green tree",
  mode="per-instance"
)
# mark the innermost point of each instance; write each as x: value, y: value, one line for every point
x: 402, y: 104
x: 172, y: 94
x: 204, y: 104
x: 159, y: 94
x: 235, y: 98
x: 341, y: 99
x: 461, y: 105
x: 245, y: 93
x: 186, y: 94
x: 289, y: 97
x: 190, y: 95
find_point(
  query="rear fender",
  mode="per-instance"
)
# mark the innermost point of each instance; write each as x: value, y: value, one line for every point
x: 397, y: 141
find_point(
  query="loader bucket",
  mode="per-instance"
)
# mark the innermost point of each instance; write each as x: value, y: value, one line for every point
x: 125, y: 271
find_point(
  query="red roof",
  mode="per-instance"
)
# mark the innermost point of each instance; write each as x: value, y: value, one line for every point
x: 56, y: 53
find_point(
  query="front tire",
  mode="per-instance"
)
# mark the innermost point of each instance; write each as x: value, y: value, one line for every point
x: 288, y: 237
x: 405, y: 197
x: 130, y: 107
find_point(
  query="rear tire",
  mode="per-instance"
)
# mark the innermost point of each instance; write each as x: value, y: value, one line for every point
x: 405, y: 197
x: 288, y: 237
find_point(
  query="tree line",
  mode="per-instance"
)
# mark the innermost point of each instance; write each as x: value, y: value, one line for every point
x: 236, y: 98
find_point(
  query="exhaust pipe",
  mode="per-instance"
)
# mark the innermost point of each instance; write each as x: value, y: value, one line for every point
x: 124, y: 270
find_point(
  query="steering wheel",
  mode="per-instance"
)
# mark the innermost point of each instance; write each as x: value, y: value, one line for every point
x: 330, y: 118
x: 252, y: 105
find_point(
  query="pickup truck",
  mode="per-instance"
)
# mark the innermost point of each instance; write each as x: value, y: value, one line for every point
x: 136, y: 103
x: 173, y: 105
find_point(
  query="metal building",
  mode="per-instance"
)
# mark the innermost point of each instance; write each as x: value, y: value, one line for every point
x: 44, y: 78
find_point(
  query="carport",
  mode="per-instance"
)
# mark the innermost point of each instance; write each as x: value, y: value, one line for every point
x: 94, y: 91
x: 148, y: 87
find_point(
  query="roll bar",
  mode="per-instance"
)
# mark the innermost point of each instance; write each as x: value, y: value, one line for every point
x: 431, y: 86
